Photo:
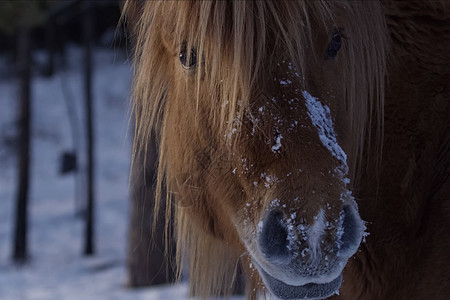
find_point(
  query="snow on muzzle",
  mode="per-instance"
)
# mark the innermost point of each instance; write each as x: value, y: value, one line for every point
x: 305, y: 261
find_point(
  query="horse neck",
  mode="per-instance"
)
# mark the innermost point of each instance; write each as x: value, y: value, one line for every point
x: 403, y: 205
x: 419, y: 32
x: 417, y: 110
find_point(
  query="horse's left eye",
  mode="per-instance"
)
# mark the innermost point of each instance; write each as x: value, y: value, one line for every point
x: 334, y: 45
x: 188, y: 61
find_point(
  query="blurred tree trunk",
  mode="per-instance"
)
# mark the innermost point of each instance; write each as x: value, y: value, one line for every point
x: 147, y: 263
x: 88, y: 31
x: 20, y: 234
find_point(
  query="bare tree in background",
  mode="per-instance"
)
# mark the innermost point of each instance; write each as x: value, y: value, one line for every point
x: 89, y: 247
x: 24, y: 60
x: 19, y: 17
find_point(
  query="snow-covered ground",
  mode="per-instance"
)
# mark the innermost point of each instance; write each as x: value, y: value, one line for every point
x: 56, y: 269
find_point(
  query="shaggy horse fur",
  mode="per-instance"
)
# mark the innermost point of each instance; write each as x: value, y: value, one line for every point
x: 240, y: 144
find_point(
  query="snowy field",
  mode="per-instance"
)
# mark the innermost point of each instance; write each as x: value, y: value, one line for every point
x: 56, y: 269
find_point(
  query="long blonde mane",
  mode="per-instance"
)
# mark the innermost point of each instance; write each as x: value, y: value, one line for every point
x: 232, y: 37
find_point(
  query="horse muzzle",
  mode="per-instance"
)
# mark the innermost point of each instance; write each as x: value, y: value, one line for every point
x: 305, y: 261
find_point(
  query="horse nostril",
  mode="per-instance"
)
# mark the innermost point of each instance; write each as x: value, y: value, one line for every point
x: 273, y: 238
x: 352, y: 230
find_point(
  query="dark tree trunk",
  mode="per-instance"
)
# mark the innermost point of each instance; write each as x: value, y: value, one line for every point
x: 147, y: 263
x: 20, y: 233
x: 88, y: 37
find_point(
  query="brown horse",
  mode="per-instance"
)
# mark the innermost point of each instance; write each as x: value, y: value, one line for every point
x: 274, y: 118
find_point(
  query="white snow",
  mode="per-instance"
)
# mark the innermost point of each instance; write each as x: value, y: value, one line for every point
x: 260, y: 226
x: 285, y: 82
x: 56, y: 269
x: 315, y: 232
x: 292, y: 237
x: 321, y: 119
x: 277, y: 146
x: 270, y: 180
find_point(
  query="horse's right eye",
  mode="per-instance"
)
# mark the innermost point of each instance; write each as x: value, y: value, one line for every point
x: 188, y: 61
x: 334, y: 46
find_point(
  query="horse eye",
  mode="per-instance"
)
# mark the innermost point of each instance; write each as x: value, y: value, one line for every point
x: 188, y: 61
x: 334, y: 45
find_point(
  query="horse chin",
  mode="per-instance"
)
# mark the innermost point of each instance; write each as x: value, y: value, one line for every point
x: 284, y: 291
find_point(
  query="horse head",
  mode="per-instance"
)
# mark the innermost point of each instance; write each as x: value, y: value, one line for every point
x: 260, y: 120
